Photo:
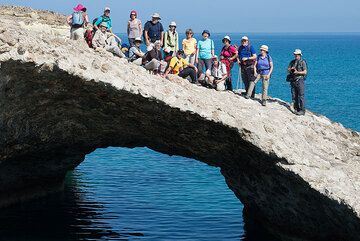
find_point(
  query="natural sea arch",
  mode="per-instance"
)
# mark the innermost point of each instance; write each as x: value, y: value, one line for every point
x: 51, y: 119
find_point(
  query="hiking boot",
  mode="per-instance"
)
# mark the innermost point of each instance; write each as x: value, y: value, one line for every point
x: 301, y: 112
x: 247, y: 97
x: 263, y: 102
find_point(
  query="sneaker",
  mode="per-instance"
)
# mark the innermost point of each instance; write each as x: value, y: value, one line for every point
x: 263, y: 103
x: 247, y: 97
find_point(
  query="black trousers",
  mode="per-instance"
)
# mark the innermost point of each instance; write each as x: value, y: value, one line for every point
x: 298, y: 94
x: 188, y: 72
x: 247, y: 75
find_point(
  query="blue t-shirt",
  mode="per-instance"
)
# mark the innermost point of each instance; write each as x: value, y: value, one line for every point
x: 154, y: 30
x: 205, y: 47
x: 102, y: 19
x: 246, y: 52
x: 263, y: 64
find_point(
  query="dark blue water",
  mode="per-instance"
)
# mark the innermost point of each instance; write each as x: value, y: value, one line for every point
x: 138, y: 194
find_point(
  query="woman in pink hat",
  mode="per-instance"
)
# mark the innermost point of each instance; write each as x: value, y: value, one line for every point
x: 78, y: 20
x: 134, y: 28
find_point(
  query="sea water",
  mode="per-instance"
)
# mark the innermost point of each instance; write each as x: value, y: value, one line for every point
x: 138, y: 194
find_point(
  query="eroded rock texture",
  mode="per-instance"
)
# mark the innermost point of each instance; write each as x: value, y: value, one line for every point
x: 297, y: 176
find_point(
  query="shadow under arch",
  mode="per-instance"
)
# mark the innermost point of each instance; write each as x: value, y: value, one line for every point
x: 70, y: 117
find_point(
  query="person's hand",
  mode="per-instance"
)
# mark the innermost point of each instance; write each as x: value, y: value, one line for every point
x: 196, y: 60
x: 161, y: 43
x: 196, y: 69
x: 147, y: 43
x: 221, y: 57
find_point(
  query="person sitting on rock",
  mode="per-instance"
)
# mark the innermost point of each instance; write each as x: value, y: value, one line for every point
x: 135, y: 53
x: 181, y: 67
x: 219, y: 74
x: 77, y: 21
x: 106, y: 40
x: 153, y: 59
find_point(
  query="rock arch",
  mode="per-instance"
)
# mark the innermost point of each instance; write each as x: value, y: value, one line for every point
x: 296, y: 176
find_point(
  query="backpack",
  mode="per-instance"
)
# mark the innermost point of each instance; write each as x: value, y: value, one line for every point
x: 268, y: 59
x: 89, y: 34
x: 228, y: 50
x: 77, y: 19
x: 103, y: 19
x: 290, y: 76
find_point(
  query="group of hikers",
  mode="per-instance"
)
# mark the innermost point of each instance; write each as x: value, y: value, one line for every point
x: 195, y: 61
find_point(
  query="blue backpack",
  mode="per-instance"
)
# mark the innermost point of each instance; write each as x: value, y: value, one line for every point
x: 77, y: 19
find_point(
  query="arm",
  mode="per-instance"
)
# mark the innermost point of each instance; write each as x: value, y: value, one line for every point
x: 271, y: 68
x: 140, y: 29
x: 166, y: 37
x: 197, y: 55
x: 128, y: 28
x: 69, y: 20
x: 192, y: 66
x: 118, y: 38
x: 94, y: 40
x: 162, y: 38
x: 255, y: 68
x: 167, y: 72
x: 177, y: 42
x: 146, y: 38
x: 138, y: 53
x: 86, y: 20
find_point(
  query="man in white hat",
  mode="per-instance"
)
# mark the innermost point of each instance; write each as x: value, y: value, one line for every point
x: 106, y: 40
x: 246, y: 60
x: 154, y: 30
x: 297, y: 72
x: 171, y: 39
x: 104, y: 18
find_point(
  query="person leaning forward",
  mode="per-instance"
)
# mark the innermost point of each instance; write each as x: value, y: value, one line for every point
x: 181, y: 67
x: 297, y: 71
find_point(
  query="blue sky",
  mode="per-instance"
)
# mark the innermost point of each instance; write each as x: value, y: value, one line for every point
x: 224, y: 16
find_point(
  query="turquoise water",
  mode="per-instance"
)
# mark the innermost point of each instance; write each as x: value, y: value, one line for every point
x: 138, y: 194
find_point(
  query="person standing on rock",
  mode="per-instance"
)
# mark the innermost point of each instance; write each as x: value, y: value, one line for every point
x: 105, y: 18
x: 154, y: 30
x: 246, y: 60
x: 262, y: 70
x: 297, y: 72
x: 189, y: 46
x: 204, y: 55
x: 134, y: 29
x: 106, y: 40
x: 228, y: 55
x: 171, y: 39
x: 78, y: 20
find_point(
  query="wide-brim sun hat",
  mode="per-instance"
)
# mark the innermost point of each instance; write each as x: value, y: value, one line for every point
x: 172, y: 24
x: 297, y: 52
x: 215, y: 57
x: 156, y: 15
x: 138, y: 39
x: 79, y: 7
x: 227, y: 38
x: 103, y: 24
x: 206, y: 31
x: 265, y: 48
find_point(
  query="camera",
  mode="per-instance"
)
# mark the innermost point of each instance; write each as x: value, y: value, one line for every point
x: 292, y: 71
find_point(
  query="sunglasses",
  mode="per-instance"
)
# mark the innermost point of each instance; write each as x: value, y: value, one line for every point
x: 189, y: 33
